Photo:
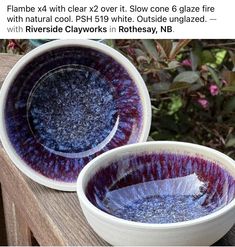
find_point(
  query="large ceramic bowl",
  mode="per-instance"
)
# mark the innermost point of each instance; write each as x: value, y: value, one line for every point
x: 66, y: 102
x: 159, y: 193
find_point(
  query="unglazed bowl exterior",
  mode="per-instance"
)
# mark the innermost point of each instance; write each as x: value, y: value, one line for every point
x: 203, y: 230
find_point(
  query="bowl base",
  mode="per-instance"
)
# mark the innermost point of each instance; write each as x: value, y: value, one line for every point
x: 160, y: 201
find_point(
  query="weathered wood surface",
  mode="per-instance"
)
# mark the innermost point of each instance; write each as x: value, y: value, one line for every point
x: 6, y: 63
x: 18, y: 232
x: 54, y: 217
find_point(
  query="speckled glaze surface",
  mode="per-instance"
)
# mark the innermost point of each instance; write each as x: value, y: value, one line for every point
x: 161, y: 188
x: 69, y: 104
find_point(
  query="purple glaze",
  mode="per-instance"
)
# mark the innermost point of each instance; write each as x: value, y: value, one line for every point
x: 67, y: 106
x: 161, y: 188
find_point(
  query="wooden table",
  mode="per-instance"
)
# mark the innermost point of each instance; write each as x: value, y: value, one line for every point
x: 52, y: 217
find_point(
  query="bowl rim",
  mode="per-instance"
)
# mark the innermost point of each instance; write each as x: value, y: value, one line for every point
x: 27, y: 58
x: 85, y: 174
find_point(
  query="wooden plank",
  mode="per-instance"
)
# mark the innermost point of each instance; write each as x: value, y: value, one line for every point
x: 54, y: 217
x: 6, y: 63
x: 18, y: 232
x: 3, y: 240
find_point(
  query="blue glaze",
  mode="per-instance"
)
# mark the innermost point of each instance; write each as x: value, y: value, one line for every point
x: 72, y: 109
x: 161, y: 209
x: 67, y: 106
x: 160, y: 188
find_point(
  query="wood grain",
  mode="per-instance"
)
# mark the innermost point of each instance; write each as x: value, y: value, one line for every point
x: 6, y: 63
x: 18, y: 232
x: 54, y: 217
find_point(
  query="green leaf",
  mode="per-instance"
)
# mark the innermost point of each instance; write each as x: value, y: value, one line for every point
x: 109, y: 42
x: 165, y: 87
x: 175, y: 105
x: 196, y: 54
x: 195, y: 58
x: 173, y: 64
x: 178, y: 47
x: 139, y: 52
x: 179, y: 85
x: 141, y: 56
x: 220, y: 56
x: 214, y: 76
x: 229, y: 89
x: 230, y: 142
x: 165, y: 46
x: 187, y: 76
x: 196, y: 86
x: 150, y: 139
x: 150, y: 47
x: 207, y: 57
x: 230, y: 105
x: 159, y: 87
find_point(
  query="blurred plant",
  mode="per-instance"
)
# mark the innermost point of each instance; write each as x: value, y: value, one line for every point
x: 14, y: 46
x: 192, y: 88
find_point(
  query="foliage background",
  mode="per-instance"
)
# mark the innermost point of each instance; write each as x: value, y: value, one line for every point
x: 191, y: 84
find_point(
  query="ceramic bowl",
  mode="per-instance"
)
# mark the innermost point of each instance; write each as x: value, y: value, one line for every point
x: 159, y: 193
x: 66, y: 102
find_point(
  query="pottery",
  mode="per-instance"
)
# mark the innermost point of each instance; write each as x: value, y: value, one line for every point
x: 66, y: 102
x: 159, y: 193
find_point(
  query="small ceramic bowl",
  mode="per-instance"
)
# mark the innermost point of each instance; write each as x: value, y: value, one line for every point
x: 159, y: 193
x: 66, y: 102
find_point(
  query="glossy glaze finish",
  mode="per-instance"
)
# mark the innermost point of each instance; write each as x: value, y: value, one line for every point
x: 161, y: 188
x: 72, y: 110
x: 69, y: 105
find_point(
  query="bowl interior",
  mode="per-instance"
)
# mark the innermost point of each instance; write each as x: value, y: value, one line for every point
x: 68, y: 105
x: 164, y: 187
